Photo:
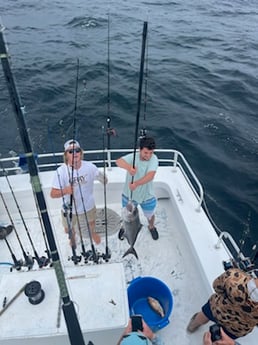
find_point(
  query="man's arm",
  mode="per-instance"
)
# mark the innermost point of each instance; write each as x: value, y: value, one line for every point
x: 58, y: 193
x: 145, y: 179
x: 121, y: 163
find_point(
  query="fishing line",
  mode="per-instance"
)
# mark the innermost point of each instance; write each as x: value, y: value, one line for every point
x: 42, y: 261
x: 29, y: 261
x: 144, y: 36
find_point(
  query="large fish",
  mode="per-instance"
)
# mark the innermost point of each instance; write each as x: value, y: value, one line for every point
x: 131, y: 227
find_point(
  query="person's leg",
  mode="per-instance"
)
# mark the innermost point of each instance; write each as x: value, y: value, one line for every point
x: 148, y: 208
x: 151, y: 222
x: 196, y: 321
x: 91, y: 215
x: 201, y: 318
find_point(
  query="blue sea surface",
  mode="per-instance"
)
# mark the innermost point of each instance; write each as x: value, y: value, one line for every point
x: 200, y: 91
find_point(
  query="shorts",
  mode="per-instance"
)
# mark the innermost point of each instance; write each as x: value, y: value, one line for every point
x: 206, y: 309
x: 91, y: 217
x: 147, y: 206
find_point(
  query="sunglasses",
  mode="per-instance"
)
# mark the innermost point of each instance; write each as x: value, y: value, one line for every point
x: 74, y: 150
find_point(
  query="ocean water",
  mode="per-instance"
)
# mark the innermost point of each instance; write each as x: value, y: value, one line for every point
x: 200, y: 89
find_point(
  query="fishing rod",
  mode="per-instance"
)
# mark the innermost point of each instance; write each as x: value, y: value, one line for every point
x: 84, y: 253
x: 143, y: 131
x: 71, y: 319
x: 108, y: 74
x: 29, y: 261
x: 93, y: 254
x: 42, y: 261
x: 17, y: 263
x: 144, y: 37
x: 75, y: 258
x: 107, y: 254
x: 65, y: 207
x: 108, y: 88
x: 47, y: 251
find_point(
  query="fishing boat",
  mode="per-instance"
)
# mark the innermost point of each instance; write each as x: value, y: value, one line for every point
x: 52, y: 295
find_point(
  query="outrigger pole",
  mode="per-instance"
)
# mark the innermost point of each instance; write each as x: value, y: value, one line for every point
x: 72, y: 323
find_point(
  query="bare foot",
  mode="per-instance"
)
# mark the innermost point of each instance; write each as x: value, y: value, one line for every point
x: 96, y: 238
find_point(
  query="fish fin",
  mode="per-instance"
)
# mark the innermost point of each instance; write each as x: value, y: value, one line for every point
x: 121, y: 234
x: 131, y: 250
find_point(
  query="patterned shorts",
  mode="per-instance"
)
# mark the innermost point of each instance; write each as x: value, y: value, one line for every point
x: 147, y: 206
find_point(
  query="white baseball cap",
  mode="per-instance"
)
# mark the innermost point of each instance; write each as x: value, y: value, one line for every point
x: 71, y: 142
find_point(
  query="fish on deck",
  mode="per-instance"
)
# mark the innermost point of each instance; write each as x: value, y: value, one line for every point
x: 131, y: 227
x: 156, y: 306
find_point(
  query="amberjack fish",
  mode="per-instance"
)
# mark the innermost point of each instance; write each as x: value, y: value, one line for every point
x: 131, y: 227
x: 156, y: 306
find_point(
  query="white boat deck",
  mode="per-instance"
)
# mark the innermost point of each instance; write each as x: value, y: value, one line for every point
x: 184, y: 258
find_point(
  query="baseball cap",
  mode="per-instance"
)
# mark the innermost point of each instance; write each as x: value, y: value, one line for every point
x: 71, y: 142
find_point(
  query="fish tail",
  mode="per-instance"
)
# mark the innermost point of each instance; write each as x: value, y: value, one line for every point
x: 131, y: 250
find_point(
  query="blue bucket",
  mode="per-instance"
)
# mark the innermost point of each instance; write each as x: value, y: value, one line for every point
x: 139, y: 290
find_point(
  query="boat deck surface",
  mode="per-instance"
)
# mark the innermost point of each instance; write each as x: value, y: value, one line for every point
x: 171, y: 259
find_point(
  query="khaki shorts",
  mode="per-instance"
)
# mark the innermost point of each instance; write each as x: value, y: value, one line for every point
x: 91, y: 217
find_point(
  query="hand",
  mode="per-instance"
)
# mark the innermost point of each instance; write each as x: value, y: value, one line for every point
x: 132, y: 186
x: 225, y: 339
x: 68, y: 190
x: 207, y: 338
x: 146, y: 330
x: 132, y: 171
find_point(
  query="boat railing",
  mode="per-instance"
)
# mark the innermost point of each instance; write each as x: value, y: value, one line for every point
x: 237, y: 258
x: 50, y: 161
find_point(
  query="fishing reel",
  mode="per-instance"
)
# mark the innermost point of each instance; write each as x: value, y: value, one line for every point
x: 18, y: 264
x: 106, y: 256
x: 93, y: 256
x: 27, y: 262
x: 42, y: 261
x: 75, y: 258
x: 96, y: 256
x: 143, y: 133
x: 244, y: 264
